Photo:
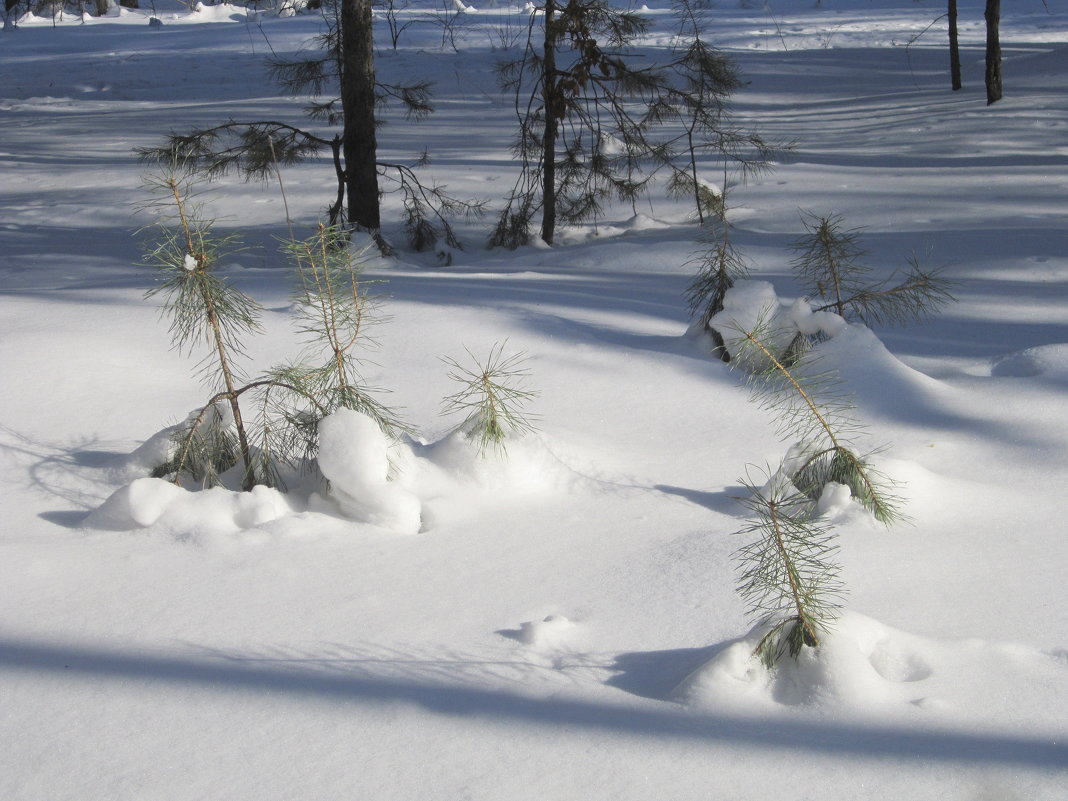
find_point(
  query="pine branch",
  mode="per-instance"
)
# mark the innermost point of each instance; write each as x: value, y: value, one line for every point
x: 828, y: 265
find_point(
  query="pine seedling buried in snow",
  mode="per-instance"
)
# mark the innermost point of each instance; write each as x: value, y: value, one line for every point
x: 789, y: 579
x: 204, y: 309
x: 492, y: 397
x: 789, y: 576
x: 829, y: 265
x: 812, y: 411
x: 334, y: 313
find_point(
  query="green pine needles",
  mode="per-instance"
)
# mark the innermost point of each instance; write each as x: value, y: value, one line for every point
x: 811, y: 411
x: 492, y: 397
x: 828, y: 264
x: 204, y: 309
x: 789, y: 574
x: 333, y: 312
x: 719, y: 267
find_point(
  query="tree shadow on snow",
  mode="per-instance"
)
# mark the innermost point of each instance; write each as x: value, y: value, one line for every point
x: 474, y: 705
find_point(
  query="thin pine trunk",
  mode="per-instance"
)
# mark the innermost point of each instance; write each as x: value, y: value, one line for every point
x: 358, y: 105
x: 993, y: 51
x: 550, y: 91
x: 954, y: 47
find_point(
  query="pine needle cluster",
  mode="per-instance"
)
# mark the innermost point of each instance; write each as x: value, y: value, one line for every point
x: 789, y: 576
x: 811, y: 410
x: 719, y: 267
x: 829, y: 265
x: 334, y: 313
x: 492, y: 397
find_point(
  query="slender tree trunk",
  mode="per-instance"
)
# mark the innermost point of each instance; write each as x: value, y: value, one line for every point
x: 954, y: 46
x: 358, y: 105
x: 552, y: 122
x: 993, y: 51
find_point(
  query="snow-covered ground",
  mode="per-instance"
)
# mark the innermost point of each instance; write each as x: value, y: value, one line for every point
x: 565, y: 623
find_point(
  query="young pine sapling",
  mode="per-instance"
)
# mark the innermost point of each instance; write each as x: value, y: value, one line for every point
x: 206, y: 309
x: 789, y: 576
x: 492, y: 398
x: 719, y: 267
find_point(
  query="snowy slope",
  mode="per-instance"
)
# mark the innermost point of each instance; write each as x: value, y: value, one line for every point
x: 564, y: 625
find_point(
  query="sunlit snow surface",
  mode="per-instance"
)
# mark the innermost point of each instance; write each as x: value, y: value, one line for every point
x: 558, y: 622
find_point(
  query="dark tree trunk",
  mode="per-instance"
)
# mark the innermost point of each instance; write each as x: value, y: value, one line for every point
x: 552, y: 103
x: 954, y: 46
x: 993, y: 51
x: 358, y: 104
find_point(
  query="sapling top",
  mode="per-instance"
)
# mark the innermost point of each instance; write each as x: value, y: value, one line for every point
x: 492, y: 397
x: 203, y: 308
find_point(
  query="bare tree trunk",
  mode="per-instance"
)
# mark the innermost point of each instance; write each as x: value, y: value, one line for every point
x: 993, y: 51
x: 358, y: 106
x: 551, y: 105
x: 954, y: 46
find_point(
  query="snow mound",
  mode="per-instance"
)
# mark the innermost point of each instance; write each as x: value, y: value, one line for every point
x: 868, y: 372
x: 553, y: 633
x: 867, y: 668
x: 1045, y: 360
x: 753, y: 306
x: 373, y: 480
x: 527, y: 465
x: 354, y: 455
x: 190, y: 515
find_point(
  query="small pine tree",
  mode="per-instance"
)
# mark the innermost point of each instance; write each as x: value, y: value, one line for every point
x: 719, y: 267
x: 492, y: 398
x: 203, y: 308
x: 596, y: 123
x: 789, y: 577
x: 335, y: 312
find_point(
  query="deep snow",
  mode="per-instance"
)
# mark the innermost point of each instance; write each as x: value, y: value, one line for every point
x: 559, y: 623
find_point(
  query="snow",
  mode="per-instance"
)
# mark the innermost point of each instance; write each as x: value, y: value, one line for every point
x: 558, y: 621
x: 354, y: 458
